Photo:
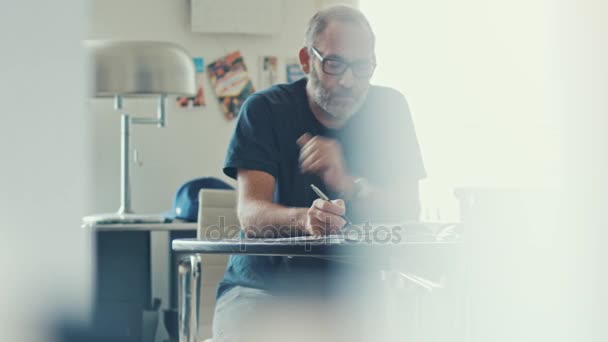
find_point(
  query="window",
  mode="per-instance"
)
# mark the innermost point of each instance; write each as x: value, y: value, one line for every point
x: 480, y: 89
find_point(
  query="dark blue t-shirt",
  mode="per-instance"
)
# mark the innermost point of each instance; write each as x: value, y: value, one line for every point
x: 379, y: 144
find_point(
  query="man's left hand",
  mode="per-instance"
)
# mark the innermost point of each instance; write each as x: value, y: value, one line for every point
x: 323, y: 156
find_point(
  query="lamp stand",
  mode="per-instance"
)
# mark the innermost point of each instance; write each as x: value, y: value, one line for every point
x: 125, y: 213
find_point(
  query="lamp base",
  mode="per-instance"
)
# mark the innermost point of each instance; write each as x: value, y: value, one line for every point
x: 117, y: 218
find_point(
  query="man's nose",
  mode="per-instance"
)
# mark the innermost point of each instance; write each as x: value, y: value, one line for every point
x: 347, y: 80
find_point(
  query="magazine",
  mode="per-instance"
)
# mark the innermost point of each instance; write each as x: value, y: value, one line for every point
x: 231, y: 83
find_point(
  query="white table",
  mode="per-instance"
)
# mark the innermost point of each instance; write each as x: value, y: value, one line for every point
x: 380, y: 253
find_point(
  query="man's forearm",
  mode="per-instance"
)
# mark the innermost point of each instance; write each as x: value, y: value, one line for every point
x: 260, y: 218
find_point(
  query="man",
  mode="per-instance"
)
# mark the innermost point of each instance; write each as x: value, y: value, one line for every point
x: 354, y: 141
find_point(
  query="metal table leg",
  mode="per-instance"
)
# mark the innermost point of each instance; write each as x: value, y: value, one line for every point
x: 189, y: 282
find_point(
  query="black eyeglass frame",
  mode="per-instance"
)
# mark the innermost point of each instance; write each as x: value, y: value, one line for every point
x: 346, y: 65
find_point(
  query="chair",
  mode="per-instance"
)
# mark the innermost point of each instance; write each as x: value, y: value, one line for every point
x: 217, y: 219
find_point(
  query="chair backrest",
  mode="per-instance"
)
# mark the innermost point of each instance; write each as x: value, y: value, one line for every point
x: 217, y: 214
x: 216, y: 219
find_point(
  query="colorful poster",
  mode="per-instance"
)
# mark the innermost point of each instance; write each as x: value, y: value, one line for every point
x: 293, y: 70
x: 268, y: 71
x: 231, y: 83
x: 199, y: 99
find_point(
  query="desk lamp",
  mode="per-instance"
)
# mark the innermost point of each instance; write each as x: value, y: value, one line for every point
x: 124, y: 69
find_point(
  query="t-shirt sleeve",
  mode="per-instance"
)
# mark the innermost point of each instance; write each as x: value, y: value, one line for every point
x: 406, y: 162
x: 253, y: 144
x: 410, y: 142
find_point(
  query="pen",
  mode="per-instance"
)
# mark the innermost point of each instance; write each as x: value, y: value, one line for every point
x: 324, y: 197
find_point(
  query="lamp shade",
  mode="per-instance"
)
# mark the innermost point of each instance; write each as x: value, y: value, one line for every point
x: 140, y: 68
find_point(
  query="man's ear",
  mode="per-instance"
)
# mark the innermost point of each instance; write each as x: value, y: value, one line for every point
x: 305, y: 60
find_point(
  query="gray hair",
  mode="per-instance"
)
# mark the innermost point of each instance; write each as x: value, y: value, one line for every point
x: 346, y: 14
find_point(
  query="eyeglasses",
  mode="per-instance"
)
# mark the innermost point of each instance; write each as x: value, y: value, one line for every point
x: 337, y: 66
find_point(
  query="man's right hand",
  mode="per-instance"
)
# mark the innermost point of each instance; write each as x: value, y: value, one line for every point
x: 325, y: 218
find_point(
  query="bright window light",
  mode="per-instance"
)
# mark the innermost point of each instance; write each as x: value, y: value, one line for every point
x: 479, y: 88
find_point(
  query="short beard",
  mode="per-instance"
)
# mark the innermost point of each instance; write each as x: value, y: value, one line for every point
x: 324, y: 98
